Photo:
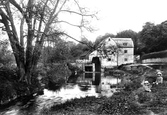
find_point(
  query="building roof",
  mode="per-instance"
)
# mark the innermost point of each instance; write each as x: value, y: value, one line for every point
x: 124, y: 42
x: 117, y: 42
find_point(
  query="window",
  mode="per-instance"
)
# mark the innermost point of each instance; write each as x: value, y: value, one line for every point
x: 126, y: 59
x: 125, y: 44
x: 125, y: 51
x: 109, y: 59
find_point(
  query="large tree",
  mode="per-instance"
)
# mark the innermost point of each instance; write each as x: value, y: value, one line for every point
x: 37, y: 20
x: 154, y: 37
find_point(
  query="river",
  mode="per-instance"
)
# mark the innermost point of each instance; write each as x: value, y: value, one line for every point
x: 87, y: 84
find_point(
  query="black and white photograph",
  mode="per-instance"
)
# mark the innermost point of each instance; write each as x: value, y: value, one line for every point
x: 83, y: 57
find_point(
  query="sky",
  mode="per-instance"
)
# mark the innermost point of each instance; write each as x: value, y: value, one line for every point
x: 118, y: 15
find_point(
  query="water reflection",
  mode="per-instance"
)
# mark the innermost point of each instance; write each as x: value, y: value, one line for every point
x: 87, y: 84
x: 104, y: 85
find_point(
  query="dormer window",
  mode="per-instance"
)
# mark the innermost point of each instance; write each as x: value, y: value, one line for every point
x: 125, y: 44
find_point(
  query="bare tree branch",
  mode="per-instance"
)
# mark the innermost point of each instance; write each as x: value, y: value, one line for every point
x: 3, y: 14
x: 52, y: 13
x: 14, y: 3
x: 21, y: 32
x: 68, y: 23
x: 11, y: 20
x: 58, y: 11
x: 76, y: 40
x: 74, y: 12
x: 41, y: 19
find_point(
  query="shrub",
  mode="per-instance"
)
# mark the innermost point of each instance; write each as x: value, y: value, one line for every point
x: 161, y: 54
x: 57, y: 74
x: 120, y: 104
x: 8, y: 78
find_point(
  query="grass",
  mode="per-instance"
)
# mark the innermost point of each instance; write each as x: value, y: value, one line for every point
x: 121, y: 103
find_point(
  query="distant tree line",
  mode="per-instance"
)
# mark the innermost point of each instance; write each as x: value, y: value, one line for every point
x: 151, y: 38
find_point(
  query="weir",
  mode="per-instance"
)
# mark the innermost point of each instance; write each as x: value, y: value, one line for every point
x: 89, y: 66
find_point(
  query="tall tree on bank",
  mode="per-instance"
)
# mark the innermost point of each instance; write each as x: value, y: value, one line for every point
x: 38, y: 20
x: 154, y: 37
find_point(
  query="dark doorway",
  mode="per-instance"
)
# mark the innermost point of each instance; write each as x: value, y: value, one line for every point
x: 97, y: 63
x: 88, y: 68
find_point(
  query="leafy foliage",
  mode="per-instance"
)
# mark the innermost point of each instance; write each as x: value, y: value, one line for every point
x: 161, y: 54
x: 88, y: 105
x: 6, y: 58
x: 80, y: 48
x: 154, y: 37
x: 8, y: 78
x: 38, y: 20
x: 120, y: 104
x: 57, y: 73
x: 59, y: 53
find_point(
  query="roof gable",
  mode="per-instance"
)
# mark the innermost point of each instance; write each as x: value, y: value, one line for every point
x: 122, y: 42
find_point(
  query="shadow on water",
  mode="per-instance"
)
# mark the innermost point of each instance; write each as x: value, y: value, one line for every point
x: 78, y: 86
x: 73, y: 78
x: 52, y: 86
x: 101, y: 84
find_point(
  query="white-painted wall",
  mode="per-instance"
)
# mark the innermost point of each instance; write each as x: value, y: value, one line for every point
x: 124, y: 58
x: 119, y: 58
x: 105, y: 63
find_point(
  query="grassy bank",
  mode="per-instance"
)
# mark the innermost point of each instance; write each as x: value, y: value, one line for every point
x: 121, y: 103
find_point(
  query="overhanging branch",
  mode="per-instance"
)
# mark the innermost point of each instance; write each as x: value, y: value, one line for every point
x: 68, y: 23
x: 14, y: 3
x: 77, y: 40
x: 3, y: 14
x: 81, y: 14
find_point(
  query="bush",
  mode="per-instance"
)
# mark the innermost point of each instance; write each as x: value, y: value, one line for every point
x: 57, y: 74
x: 8, y: 80
x: 6, y: 57
x: 161, y: 54
x: 11, y: 87
x: 120, y: 104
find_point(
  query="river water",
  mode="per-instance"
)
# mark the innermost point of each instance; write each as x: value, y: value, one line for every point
x: 87, y: 84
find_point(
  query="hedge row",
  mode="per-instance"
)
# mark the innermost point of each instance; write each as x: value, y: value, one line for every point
x: 161, y: 54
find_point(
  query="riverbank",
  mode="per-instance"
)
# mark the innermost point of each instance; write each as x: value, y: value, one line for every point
x: 121, y: 103
x: 12, y: 89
